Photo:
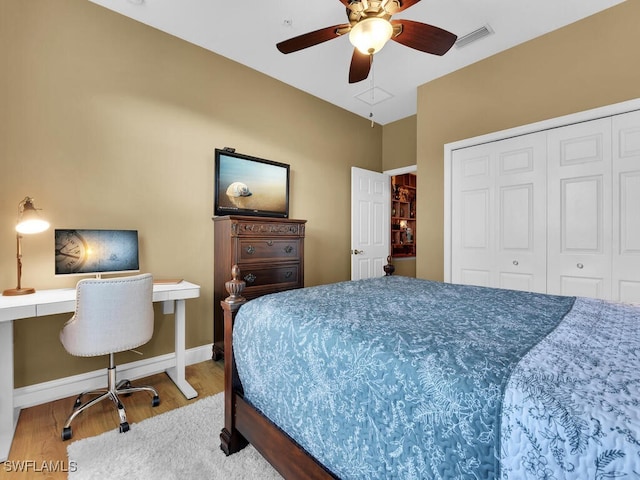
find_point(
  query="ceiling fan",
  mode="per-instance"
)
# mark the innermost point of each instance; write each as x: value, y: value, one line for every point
x: 369, y: 28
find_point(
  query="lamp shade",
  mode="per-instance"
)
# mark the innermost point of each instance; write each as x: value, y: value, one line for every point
x: 29, y: 220
x: 369, y: 35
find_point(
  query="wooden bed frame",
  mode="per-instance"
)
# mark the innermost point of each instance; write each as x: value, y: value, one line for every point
x: 243, y: 423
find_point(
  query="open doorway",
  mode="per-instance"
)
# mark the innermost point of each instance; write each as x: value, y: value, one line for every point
x: 403, y: 219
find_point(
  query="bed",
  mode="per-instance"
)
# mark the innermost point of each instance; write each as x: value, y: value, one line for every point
x: 396, y: 377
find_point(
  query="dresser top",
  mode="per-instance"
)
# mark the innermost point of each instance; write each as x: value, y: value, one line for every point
x: 257, y: 219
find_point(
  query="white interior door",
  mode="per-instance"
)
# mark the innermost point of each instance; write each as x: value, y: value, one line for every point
x: 370, y: 222
x: 580, y: 209
x: 473, y: 224
x: 625, y: 284
x: 521, y: 213
x: 499, y: 214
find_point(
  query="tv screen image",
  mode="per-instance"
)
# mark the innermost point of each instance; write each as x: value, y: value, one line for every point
x: 94, y: 252
x: 246, y: 185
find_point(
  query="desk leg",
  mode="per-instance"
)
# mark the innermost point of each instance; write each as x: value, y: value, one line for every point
x: 8, y: 414
x: 177, y: 373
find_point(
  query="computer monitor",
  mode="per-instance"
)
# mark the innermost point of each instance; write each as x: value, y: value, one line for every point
x: 95, y: 252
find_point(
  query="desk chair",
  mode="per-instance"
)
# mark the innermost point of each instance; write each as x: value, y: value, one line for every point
x: 112, y: 315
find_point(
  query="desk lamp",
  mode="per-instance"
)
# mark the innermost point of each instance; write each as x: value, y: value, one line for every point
x: 29, y: 221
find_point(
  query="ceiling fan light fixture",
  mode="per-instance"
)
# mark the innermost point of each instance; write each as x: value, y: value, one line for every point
x: 369, y: 35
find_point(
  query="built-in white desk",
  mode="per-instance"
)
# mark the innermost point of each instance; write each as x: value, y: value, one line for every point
x: 51, y: 302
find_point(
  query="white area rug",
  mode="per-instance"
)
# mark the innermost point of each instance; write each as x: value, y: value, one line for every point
x: 180, y: 444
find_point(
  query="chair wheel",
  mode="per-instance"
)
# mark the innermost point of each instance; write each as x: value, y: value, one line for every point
x: 155, y: 401
x: 124, y: 427
x: 66, y: 433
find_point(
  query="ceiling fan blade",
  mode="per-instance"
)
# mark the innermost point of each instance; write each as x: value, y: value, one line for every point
x: 423, y: 37
x: 310, y: 39
x: 360, y: 66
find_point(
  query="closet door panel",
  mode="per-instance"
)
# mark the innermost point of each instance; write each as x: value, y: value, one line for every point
x: 473, y: 224
x: 626, y: 208
x: 579, y: 214
x: 582, y: 286
x: 521, y: 213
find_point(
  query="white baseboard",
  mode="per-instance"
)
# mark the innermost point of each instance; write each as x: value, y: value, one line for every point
x: 44, y: 392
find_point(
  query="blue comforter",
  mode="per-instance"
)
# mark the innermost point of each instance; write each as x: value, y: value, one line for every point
x: 403, y: 378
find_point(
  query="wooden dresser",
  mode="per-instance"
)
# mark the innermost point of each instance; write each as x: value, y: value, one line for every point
x: 269, y: 252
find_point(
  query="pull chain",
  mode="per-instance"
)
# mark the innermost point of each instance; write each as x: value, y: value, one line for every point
x: 373, y: 86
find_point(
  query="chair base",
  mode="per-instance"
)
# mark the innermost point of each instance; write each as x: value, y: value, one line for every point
x: 113, y: 390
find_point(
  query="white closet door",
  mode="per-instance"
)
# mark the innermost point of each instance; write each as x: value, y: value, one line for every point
x: 498, y: 212
x: 472, y: 228
x: 521, y: 209
x: 579, y: 217
x: 626, y: 207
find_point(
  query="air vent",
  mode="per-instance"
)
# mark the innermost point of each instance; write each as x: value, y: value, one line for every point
x: 473, y: 36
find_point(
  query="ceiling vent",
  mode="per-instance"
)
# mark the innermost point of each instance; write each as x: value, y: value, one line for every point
x: 474, y: 36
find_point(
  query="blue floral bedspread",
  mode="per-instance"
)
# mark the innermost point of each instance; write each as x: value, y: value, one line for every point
x: 571, y: 409
x: 401, y: 378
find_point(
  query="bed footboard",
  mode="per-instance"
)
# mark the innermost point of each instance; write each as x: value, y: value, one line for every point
x: 243, y: 423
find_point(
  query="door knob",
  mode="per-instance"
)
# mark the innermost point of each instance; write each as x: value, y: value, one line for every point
x: 357, y: 252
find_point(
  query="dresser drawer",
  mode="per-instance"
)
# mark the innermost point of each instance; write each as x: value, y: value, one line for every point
x: 275, y: 277
x: 258, y: 228
x: 267, y: 250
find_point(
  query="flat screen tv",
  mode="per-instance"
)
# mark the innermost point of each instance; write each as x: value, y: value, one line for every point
x: 246, y: 185
x: 95, y: 252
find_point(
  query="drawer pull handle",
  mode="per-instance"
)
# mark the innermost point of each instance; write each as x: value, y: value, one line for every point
x: 270, y: 243
x: 251, y: 249
x: 580, y: 265
x: 250, y: 278
x: 288, y: 274
x: 515, y: 262
x: 288, y: 249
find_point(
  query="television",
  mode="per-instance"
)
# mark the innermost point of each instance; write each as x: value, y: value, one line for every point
x: 246, y: 185
x: 95, y: 252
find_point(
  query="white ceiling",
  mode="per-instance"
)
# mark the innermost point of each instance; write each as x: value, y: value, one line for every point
x: 247, y: 32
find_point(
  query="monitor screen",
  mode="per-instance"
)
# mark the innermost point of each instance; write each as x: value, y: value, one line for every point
x: 94, y: 252
x: 246, y: 185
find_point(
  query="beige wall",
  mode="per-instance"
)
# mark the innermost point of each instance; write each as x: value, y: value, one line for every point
x: 108, y: 123
x: 399, y: 141
x: 588, y: 64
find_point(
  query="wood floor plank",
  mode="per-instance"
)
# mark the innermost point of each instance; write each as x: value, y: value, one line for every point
x: 39, y: 452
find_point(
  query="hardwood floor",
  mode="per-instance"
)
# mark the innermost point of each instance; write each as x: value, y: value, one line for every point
x: 38, y: 451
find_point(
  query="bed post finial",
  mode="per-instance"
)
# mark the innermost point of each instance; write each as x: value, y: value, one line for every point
x: 231, y: 440
x: 235, y: 286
